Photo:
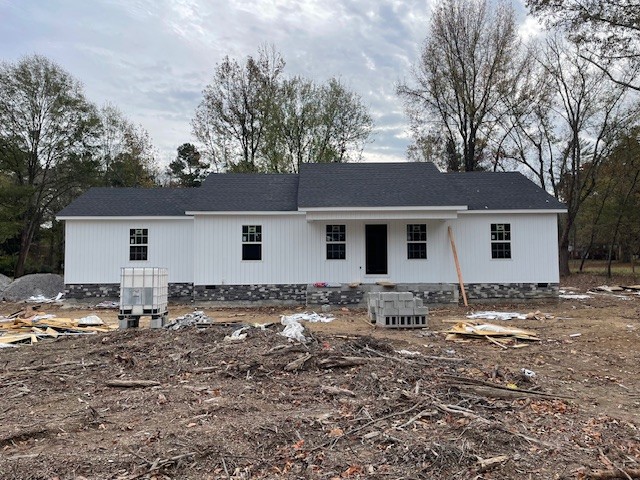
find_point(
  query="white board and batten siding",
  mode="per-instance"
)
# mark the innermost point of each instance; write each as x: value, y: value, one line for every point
x: 534, y: 248
x: 96, y: 249
x: 294, y: 250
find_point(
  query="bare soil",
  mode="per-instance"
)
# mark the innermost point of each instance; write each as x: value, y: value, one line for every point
x: 238, y: 410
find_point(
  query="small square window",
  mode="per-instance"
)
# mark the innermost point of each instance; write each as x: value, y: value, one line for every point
x: 417, y: 241
x: 501, y: 240
x: 252, y: 242
x: 336, y: 237
x: 138, y: 244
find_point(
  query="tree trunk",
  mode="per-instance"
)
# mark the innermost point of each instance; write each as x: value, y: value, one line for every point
x: 25, y: 245
x: 563, y: 248
x: 26, y: 239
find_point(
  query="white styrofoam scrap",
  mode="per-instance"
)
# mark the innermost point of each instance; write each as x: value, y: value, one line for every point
x: 293, y: 329
x: 237, y: 335
x: 408, y: 353
x: 44, y: 316
x: 528, y: 373
x: 305, y: 317
x: 498, y: 315
x: 574, y: 296
x: 90, y: 320
x: 43, y: 299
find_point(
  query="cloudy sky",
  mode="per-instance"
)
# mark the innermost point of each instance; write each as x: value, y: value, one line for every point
x: 152, y: 58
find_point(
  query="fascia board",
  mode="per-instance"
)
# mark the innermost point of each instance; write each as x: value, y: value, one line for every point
x: 99, y: 217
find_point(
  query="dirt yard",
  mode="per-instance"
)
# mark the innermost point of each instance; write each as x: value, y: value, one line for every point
x: 356, y: 405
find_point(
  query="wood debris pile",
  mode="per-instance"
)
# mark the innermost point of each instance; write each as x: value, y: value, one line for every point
x: 498, y: 334
x: 29, y: 326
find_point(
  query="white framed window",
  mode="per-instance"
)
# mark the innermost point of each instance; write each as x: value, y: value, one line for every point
x: 501, y: 240
x: 336, y: 242
x: 417, y: 241
x: 138, y: 244
x: 252, y: 242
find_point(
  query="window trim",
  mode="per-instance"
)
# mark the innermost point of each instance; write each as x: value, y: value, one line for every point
x: 501, y: 237
x: 417, y: 242
x: 330, y: 243
x: 134, y: 242
x: 257, y: 233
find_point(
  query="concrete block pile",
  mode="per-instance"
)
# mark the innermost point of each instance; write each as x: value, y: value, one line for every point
x: 397, y: 310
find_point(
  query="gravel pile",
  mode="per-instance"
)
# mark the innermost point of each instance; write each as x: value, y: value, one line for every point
x: 45, y: 284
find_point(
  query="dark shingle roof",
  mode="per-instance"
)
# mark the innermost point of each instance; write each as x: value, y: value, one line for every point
x: 247, y: 192
x: 129, y: 202
x: 416, y: 184
x: 499, y: 191
x: 368, y: 185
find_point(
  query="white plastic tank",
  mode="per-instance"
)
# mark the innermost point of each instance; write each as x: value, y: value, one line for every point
x: 143, y: 291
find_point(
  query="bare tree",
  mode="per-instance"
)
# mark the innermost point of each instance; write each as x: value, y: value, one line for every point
x: 233, y: 116
x: 254, y: 119
x: 471, y: 62
x: 607, y: 29
x: 569, y: 131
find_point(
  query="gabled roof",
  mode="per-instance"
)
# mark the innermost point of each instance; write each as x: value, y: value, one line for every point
x: 374, y: 185
x: 322, y: 186
x: 498, y: 191
x: 242, y: 192
x: 332, y: 185
x: 129, y: 202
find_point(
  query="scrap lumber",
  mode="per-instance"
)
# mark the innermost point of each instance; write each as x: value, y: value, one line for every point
x: 489, y: 463
x: 18, y: 338
x: 614, y: 474
x: 298, y: 363
x: 328, y: 389
x: 132, y: 383
x: 496, y: 388
x: 457, y: 262
x: 484, y: 330
x: 335, y: 361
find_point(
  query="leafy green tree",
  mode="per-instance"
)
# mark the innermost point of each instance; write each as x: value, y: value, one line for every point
x: 252, y: 119
x: 315, y: 123
x: 124, y: 151
x: 187, y: 168
x: 471, y: 64
x: 46, y: 123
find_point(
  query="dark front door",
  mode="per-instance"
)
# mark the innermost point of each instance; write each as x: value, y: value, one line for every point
x: 376, y: 249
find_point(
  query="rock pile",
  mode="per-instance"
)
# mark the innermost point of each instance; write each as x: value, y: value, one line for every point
x: 45, y: 284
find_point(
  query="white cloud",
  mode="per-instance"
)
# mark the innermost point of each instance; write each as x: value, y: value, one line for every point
x: 152, y: 58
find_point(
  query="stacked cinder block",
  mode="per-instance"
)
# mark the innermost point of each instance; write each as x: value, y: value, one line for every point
x: 397, y: 310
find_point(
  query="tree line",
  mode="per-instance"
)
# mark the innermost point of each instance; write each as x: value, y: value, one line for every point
x: 55, y: 143
x: 562, y: 109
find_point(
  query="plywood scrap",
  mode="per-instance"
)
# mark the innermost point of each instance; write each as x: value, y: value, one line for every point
x: 386, y: 284
x: 27, y: 338
x: 610, y: 289
x: 29, y: 326
x: 483, y: 330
